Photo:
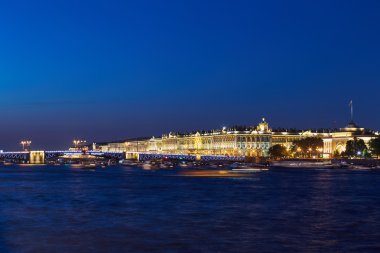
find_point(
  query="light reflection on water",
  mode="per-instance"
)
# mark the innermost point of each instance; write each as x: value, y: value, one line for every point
x: 118, y: 209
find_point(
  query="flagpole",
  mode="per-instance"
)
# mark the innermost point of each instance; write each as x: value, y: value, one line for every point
x: 352, y: 111
x: 351, y: 104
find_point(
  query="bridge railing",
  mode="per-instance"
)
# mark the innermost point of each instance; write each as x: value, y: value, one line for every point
x: 190, y: 157
x: 18, y: 155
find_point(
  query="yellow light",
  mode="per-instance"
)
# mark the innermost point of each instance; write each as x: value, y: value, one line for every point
x: 25, y: 143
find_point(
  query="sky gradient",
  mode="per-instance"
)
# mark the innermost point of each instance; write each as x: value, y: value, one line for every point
x: 109, y: 70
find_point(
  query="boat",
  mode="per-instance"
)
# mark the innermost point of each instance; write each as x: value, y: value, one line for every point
x: 128, y: 163
x: 89, y: 166
x: 303, y: 164
x: 246, y: 167
x: 250, y: 169
x: 166, y: 165
x: 84, y: 165
x: 150, y: 165
x: 211, y: 173
x: 360, y: 167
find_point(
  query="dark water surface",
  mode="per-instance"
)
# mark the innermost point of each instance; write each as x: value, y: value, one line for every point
x: 60, y: 209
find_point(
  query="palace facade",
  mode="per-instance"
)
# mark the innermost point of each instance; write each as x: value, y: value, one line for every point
x: 336, y: 142
x: 238, y: 141
x: 286, y: 138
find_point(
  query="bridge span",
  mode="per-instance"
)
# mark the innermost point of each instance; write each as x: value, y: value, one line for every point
x: 40, y: 157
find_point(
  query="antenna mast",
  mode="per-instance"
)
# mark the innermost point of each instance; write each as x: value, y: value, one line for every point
x: 351, y: 104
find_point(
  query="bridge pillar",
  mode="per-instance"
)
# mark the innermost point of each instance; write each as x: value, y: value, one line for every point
x: 37, y: 157
x: 132, y: 155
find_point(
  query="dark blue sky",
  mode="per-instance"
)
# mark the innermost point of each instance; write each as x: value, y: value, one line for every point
x: 108, y: 70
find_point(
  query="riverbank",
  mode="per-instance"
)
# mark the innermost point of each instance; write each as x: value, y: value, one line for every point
x: 361, y: 162
x: 327, y: 163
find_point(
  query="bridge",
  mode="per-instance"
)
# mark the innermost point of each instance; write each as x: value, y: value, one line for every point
x: 188, y: 157
x: 39, y: 157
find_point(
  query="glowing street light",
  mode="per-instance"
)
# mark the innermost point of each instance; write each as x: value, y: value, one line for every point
x: 77, y: 142
x: 25, y: 144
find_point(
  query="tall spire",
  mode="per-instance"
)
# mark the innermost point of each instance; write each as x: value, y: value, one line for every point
x: 351, y: 105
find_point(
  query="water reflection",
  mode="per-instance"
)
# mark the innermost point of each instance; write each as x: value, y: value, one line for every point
x: 61, y: 209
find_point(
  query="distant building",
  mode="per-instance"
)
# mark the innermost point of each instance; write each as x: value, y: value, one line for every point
x: 286, y: 138
x: 336, y: 142
x: 237, y: 141
x: 128, y: 145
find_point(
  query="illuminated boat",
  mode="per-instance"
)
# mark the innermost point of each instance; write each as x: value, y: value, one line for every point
x: 211, y: 173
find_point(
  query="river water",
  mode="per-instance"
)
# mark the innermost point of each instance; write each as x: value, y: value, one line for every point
x: 118, y: 209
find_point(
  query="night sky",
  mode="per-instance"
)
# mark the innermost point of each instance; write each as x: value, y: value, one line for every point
x: 109, y: 70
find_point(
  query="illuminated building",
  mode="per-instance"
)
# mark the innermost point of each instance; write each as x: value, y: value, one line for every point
x: 236, y: 141
x: 336, y: 142
x: 287, y: 137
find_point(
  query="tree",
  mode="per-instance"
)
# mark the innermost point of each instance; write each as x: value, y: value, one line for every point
x: 350, y: 149
x: 374, y: 146
x: 356, y: 148
x: 278, y: 151
x: 337, y: 154
x: 308, y: 146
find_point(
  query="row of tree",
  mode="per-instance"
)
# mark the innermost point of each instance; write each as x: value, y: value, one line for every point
x: 374, y: 146
x: 354, y: 148
x: 304, y: 148
x: 312, y: 147
x: 357, y: 148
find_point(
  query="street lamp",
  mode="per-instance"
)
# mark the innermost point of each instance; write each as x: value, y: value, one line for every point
x: 309, y: 151
x: 25, y: 144
x: 77, y: 142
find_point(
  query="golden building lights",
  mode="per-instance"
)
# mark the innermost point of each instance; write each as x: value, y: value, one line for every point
x: 77, y: 142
